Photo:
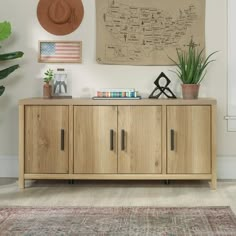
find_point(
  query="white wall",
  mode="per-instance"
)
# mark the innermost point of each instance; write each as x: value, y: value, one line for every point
x: 89, y: 75
x: 231, y: 65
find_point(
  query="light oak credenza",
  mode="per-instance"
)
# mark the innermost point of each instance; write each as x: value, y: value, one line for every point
x: 144, y: 139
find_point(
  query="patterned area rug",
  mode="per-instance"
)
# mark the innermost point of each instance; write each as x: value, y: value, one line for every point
x: 141, y: 221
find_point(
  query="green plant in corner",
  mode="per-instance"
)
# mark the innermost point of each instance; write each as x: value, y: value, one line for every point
x: 191, y: 65
x: 5, y: 32
x: 48, y: 76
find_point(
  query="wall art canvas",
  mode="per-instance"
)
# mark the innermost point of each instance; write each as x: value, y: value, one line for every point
x: 137, y: 32
x: 60, y: 52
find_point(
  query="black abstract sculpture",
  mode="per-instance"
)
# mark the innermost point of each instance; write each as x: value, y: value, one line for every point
x: 159, y: 90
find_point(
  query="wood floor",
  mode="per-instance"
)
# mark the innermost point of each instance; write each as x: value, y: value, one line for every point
x: 119, y: 193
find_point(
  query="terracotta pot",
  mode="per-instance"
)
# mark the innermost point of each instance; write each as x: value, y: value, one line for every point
x: 190, y: 91
x: 47, y: 90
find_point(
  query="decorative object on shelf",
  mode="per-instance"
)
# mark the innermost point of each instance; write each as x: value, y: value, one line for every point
x: 159, y: 90
x: 118, y: 93
x: 145, y: 33
x: 191, y: 69
x: 60, y: 52
x: 60, y: 17
x: 117, y: 98
x: 47, y: 87
x: 5, y: 32
x: 61, y: 88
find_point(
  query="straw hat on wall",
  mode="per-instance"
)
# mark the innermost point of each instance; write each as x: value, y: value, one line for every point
x: 60, y: 17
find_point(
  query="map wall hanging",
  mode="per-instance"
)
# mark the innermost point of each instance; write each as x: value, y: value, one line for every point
x: 147, y: 32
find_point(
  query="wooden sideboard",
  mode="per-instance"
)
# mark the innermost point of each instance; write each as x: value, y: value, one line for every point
x: 144, y: 139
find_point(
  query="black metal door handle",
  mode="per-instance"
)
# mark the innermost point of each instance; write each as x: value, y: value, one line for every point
x: 172, y: 140
x: 122, y: 139
x: 62, y: 139
x: 111, y: 140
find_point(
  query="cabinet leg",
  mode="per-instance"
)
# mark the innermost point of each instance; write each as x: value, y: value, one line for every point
x: 167, y: 182
x: 213, y: 183
x: 21, y: 183
x: 71, y: 181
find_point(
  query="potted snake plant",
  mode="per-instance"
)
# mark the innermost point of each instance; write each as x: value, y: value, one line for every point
x: 5, y: 32
x: 191, y: 69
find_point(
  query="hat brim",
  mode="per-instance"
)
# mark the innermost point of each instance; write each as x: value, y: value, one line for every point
x: 60, y: 29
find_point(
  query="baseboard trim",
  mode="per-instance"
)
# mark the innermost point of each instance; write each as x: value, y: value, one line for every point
x: 225, y: 167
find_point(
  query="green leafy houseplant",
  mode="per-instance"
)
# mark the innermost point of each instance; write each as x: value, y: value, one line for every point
x: 48, y: 76
x: 191, y: 67
x: 47, y: 88
x: 5, y: 32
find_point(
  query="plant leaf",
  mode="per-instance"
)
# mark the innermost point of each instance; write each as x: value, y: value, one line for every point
x: 191, y: 64
x: 202, y: 77
x: 4, y: 73
x: 5, y: 30
x: 10, y: 56
x: 2, y: 89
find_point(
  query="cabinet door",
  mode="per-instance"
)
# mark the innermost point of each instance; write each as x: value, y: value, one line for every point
x: 95, y: 142
x: 46, y: 139
x: 139, y: 139
x: 188, y: 139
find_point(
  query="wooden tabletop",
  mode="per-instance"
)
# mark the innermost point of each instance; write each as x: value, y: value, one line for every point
x: 91, y: 102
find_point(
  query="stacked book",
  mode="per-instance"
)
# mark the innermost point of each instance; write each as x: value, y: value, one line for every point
x: 123, y: 93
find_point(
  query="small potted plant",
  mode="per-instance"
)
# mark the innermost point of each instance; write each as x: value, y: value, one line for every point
x: 191, y: 69
x: 47, y: 87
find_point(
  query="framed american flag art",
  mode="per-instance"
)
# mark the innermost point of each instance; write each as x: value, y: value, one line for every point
x: 60, y: 52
